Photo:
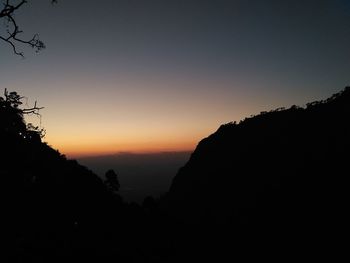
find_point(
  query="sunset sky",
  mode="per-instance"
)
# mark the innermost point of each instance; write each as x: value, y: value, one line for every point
x: 148, y: 76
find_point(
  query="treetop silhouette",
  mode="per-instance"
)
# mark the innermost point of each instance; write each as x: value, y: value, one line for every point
x: 12, y: 116
x: 112, y: 181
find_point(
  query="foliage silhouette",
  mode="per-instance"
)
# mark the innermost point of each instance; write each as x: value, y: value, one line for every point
x: 12, y: 116
x: 111, y: 181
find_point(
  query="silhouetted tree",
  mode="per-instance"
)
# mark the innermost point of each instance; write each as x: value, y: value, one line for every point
x: 12, y: 116
x: 112, y: 181
x: 7, y: 14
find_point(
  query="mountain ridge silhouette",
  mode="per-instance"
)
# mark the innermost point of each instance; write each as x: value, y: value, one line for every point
x: 269, y: 165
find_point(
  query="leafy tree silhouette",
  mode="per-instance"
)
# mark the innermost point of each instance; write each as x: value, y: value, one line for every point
x: 12, y: 116
x: 112, y: 181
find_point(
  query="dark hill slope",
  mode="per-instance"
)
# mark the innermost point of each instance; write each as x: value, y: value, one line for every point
x: 287, y: 167
x: 56, y: 209
x: 52, y: 207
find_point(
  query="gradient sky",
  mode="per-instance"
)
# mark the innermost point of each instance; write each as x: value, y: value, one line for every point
x: 145, y: 75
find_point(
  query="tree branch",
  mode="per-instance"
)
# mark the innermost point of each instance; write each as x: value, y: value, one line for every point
x: 33, y: 110
x: 7, y: 13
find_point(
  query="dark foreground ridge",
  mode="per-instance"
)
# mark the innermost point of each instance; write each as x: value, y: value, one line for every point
x: 56, y: 210
x: 269, y: 161
x: 273, y: 186
x: 280, y: 174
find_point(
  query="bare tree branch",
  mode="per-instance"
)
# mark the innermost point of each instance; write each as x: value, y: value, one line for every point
x: 12, y: 29
x: 34, y: 110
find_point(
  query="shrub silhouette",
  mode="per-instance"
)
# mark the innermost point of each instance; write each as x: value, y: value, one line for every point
x: 111, y: 181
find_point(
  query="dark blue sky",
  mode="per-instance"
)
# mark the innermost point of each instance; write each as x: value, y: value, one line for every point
x: 158, y: 75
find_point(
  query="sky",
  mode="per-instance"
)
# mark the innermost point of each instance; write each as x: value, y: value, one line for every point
x: 160, y: 75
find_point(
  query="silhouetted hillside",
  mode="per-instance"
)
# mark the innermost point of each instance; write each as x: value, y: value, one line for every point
x: 57, y: 210
x: 281, y: 172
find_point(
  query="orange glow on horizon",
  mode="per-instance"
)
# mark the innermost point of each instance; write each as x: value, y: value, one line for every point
x: 94, y: 149
x: 142, y: 113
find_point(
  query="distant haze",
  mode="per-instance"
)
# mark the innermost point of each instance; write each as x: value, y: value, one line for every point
x: 139, y: 174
